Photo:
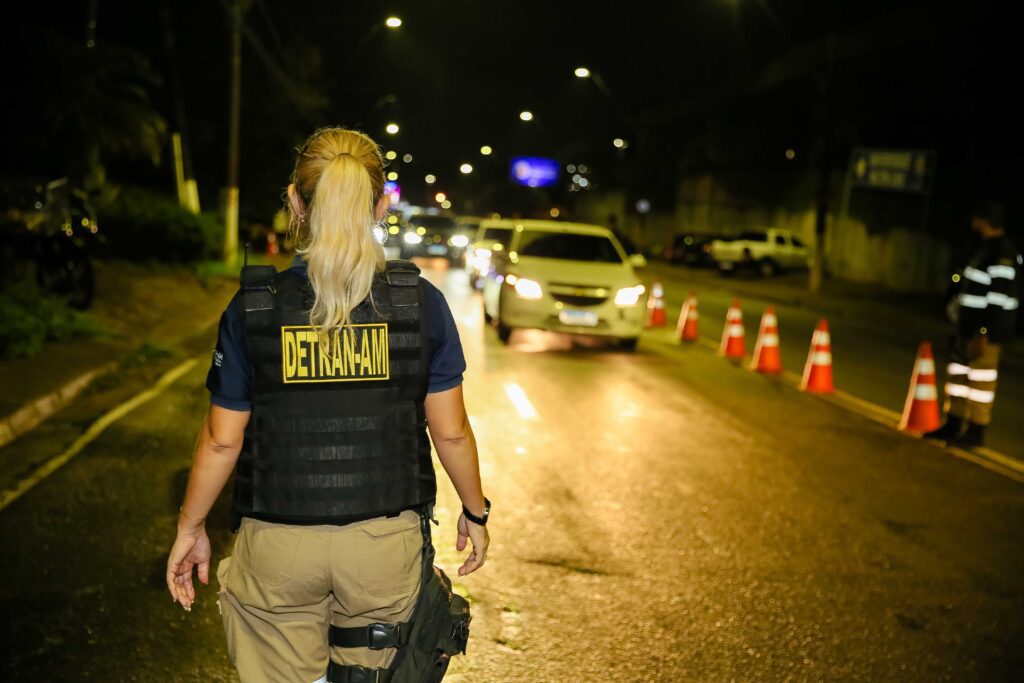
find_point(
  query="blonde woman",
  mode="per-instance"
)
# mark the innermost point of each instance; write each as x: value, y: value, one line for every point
x: 326, y: 380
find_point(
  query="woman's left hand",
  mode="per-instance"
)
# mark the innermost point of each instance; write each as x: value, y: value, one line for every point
x: 191, y: 549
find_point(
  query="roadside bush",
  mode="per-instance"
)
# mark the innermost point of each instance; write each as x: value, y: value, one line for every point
x: 142, y: 225
x: 31, y: 320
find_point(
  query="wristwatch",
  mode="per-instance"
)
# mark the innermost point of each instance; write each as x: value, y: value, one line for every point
x: 482, y: 521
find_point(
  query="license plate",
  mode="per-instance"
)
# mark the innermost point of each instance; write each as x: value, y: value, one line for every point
x: 437, y: 250
x: 581, y: 318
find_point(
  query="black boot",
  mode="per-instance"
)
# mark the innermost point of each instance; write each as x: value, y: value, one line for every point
x: 947, y: 432
x: 973, y: 437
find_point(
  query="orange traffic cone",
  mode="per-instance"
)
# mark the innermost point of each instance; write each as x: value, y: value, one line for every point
x: 818, y: 371
x: 686, y: 328
x: 766, y: 352
x: 921, y: 411
x: 656, y: 306
x: 733, y: 345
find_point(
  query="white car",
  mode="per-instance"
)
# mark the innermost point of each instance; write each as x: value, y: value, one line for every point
x: 767, y: 251
x: 493, y: 235
x: 564, y: 277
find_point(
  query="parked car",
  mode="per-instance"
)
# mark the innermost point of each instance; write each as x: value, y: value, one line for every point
x: 765, y: 252
x: 565, y: 277
x: 691, y: 249
x: 493, y: 235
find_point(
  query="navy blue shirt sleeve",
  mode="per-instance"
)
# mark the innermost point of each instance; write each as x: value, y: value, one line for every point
x: 229, y: 377
x: 447, y: 362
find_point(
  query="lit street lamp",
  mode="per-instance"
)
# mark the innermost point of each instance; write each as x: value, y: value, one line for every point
x: 391, y: 128
x: 440, y: 197
x: 526, y: 116
x: 393, y: 22
x: 582, y: 72
x: 430, y: 179
x: 466, y: 169
x: 619, y: 143
x: 486, y: 150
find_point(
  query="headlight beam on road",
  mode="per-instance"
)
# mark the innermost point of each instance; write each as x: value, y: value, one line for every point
x: 516, y: 394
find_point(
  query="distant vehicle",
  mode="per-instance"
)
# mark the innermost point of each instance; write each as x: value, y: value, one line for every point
x: 691, y: 249
x: 766, y: 252
x: 493, y: 235
x: 433, y: 235
x: 565, y: 277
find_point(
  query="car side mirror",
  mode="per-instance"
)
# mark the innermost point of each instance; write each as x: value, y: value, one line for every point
x: 637, y: 261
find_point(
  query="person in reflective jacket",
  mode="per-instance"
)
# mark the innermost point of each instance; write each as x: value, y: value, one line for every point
x: 329, y: 382
x: 984, y: 313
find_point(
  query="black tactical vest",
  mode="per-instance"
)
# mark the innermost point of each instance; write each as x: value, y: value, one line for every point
x: 337, y: 432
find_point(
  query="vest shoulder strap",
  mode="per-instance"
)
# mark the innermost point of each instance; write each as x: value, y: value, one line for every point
x: 402, y: 273
x: 258, y: 289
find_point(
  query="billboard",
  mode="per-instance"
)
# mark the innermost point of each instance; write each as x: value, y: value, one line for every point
x: 534, y: 171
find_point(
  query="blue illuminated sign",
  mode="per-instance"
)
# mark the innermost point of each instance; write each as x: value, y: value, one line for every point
x: 391, y: 188
x: 534, y: 171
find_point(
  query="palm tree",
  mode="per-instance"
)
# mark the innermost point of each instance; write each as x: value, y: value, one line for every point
x: 101, y: 107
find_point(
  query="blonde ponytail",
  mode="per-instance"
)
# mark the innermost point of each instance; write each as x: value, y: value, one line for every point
x: 340, y: 176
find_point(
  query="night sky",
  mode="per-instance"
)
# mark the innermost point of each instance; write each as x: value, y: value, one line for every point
x: 681, y: 77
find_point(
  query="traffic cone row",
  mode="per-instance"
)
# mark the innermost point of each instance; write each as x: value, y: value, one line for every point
x: 920, y: 412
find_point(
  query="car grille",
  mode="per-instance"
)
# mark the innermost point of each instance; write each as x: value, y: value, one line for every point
x: 575, y: 300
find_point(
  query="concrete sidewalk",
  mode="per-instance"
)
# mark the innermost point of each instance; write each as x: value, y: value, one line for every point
x: 144, y: 311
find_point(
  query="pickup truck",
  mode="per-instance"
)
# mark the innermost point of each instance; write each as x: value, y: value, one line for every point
x: 766, y: 251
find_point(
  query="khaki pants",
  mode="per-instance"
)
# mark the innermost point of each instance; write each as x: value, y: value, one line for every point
x: 971, y: 385
x: 284, y: 585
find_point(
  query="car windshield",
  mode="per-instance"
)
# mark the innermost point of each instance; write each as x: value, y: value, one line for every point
x: 568, y: 246
x: 754, y: 236
x: 500, y: 235
x: 433, y: 223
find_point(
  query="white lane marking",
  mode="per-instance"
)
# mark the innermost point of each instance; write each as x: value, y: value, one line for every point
x: 8, y: 496
x: 516, y: 394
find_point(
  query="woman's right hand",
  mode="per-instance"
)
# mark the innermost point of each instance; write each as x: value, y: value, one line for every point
x: 478, y: 536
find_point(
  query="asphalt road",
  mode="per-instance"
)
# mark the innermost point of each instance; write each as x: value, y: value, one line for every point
x: 658, y: 516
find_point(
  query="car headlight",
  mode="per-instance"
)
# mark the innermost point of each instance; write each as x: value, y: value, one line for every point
x: 527, y: 289
x: 629, y: 296
x: 412, y: 238
x: 459, y: 241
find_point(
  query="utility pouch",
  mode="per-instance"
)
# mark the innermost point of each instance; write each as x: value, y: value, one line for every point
x: 437, y: 631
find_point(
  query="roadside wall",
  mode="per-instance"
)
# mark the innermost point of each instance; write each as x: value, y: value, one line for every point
x: 880, y: 242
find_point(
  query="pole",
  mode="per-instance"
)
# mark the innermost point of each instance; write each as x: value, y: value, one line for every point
x: 824, y: 189
x: 231, y: 205
x: 185, y: 180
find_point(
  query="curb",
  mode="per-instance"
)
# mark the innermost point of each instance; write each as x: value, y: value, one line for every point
x: 29, y: 416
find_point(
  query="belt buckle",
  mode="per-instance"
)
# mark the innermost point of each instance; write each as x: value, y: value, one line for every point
x: 381, y: 636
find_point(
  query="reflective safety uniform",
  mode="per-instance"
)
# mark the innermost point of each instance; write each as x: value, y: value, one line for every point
x: 986, y: 306
x: 333, y: 559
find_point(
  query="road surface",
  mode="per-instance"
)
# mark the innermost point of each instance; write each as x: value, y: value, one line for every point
x: 657, y: 516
